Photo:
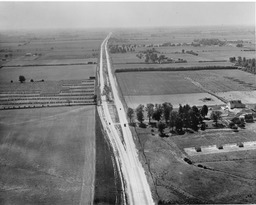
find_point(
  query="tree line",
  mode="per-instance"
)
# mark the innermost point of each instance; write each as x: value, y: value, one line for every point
x: 121, y: 48
x: 178, y: 121
x: 247, y: 64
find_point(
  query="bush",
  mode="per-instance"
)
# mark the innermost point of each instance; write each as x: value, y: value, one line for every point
x: 31, y: 80
x: 203, y: 126
x: 11, y: 81
x: 188, y: 160
x: 142, y: 125
x: 220, y: 147
x: 42, y: 80
x: 200, y: 166
x: 22, y: 78
x: 198, y: 149
x: 240, y: 144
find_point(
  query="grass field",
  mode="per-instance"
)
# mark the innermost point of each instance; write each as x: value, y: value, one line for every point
x: 47, y: 155
x: 48, y: 73
x: 178, y: 182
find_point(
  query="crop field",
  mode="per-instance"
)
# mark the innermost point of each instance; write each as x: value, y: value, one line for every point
x: 48, y: 73
x: 175, y: 87
x: 223, y: 80
x: 47, y: 156
x: 154, y: 83
x: 231, y: 181
x: 50, y: 93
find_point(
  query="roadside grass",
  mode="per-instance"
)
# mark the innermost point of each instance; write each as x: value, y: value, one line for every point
x: 108, y: 188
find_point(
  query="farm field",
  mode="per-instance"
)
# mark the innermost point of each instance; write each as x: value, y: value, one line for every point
x: 232, y: 181
x: 248, y: 97
x: 24, y: 61
x: 47, y: 155
x: 50, y: 47
x: 206, y: 53
x: 154, y: 83
x: 48, y: 73
x: 178, y: 34
x: 177, y: 88
x: 153, y: 38
x: 172, y: 65
x: 223, y: 80
x: 176, y: 99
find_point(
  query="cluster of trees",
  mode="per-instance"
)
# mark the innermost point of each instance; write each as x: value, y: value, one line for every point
x: 186, y: 117
x: 248, y: 64
x: 209, y: 41
x: 192, y: 53
x: 239, y: 45
x: 151, y: 56
x: 122, y: 48
x: 22, y: 79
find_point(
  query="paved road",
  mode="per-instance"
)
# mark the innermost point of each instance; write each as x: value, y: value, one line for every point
x: 134, y: 179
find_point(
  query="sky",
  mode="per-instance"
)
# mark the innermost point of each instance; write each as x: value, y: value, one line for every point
x: 42, y: 15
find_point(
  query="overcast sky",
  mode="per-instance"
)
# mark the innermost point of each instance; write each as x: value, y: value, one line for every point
x: 16, y: 15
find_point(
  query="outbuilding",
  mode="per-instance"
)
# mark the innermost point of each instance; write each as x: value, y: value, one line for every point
x: 235, y: 104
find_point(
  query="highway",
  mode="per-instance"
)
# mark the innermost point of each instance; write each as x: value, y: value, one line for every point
x: 134, y: 182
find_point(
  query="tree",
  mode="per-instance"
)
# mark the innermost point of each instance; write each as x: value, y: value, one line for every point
x: 139, y: 113
x: 22, y: 78
x: 161, y: 58
x: 180, y: 110
x: 150, y: 111
x: 195, y: 109
x: 204, y: 110
x: 161, y: 127
x: 215, y: 116
x: 239, y: 60
x: 232, y: 59
x: 173, y: 118
x: 178, y: 124
x: 185, y: 116
x: 130, y: 113
x: 94, y: 98
x: 167, y: 108
x: 157, y: 112
x: 193, y: 120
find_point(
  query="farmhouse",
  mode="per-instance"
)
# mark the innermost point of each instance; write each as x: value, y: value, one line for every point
x: 235, y: 104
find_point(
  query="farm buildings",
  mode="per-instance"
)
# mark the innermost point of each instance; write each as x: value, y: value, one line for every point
x: 235, y: 104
